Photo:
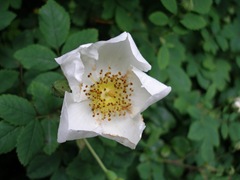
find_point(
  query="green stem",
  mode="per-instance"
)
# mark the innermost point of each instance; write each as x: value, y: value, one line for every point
x: 95, y: 156
x: 111, y: 175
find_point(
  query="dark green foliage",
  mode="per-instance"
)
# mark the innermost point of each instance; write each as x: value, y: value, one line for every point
x: 192, y: 45
x: 54, y: 23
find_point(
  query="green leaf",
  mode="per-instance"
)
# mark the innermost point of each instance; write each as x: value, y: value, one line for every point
x: 43, y: 99
x: 194, y: 112
x: 36, y: 57
x: 39, y: 169
x: 16, y: 4
x: 54, y: 23
x: 176, y: 48
x: 179, y: 80
x: 6, y: 56
x: 124, y: 19
x: 176, y: 171
x: 80, y: 38
x: 158, y: 18
x: 208, y: 63
x: 179, y: 30
x: 234, y: 132
x: 144, y: 170
x: 220, y: 76
x: 108, y: 142
x: 201, y: 130
x: 4, y: 4
x: 211, y: 91
x: 170, y: 5
x: 168, y: 120
x: 30, y: 142
x: 206, y: 151
x: 224, y: 130
x: 163, y: 57
x: 16, y: 110
x: 209, y: 43
x: 75, y: 165
x: 7, y: 78
x: 181, y: 145
x: 202, y: 7
x: 50, y: 128
x: 6, y: 18
x: 192, y: 68
x: 195, y: 132
x: 108, y: 9
x: 202, y: 81
x: 158, y: 171
x: 59, y: 88
x: 8, y: 137
x: 79, y: 18
x: 60, y: 174
x: 222, y: 42
x: 186, y: 100
x: 193, y: 21
x: 48, y: 78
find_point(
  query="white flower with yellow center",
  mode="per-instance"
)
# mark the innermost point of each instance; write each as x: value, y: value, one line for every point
x: 109, y: 91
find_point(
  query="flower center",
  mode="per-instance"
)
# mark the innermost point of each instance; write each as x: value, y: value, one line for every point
x: 110, y: 96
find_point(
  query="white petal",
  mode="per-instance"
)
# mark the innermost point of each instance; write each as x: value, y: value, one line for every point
x: 139, y: 96
x: 72, y: 66
x: 126, y: 131
x: 145, y: 66
x: 76, y: 121
x: 73, y: 70
x: 120, y: 53
x: 156, y: 90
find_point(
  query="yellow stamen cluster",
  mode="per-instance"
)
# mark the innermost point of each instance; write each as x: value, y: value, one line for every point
x: 110, y: 96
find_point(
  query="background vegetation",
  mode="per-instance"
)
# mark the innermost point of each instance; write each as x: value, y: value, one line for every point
x: 193, y: 46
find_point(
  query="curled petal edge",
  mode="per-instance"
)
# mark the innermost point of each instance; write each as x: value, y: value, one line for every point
x: 156, y: 89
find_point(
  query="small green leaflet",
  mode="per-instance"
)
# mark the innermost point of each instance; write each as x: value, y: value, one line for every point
x: 6, y: 18
x: 38, y: 169
x: 163, y: 57
x: 7, y: 78
x: 8, y: 136
x: 44, y: 100
x: 30, y: 142
x: 123, y: 19
x: 202, y: 7
x: 193, y: 21
x: 179, y: 80
x: 158, y: 18
x: 36, y: 57
x: 16, y: 110
x: 54, y: 23
x: 50, y: 127
x: 80, y: 38
x: 59, y: 87
x: 170, y: 5
x: 206, y: 131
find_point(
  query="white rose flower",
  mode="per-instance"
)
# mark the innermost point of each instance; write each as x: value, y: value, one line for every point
x: 109, y: 91
x: 237, y: 103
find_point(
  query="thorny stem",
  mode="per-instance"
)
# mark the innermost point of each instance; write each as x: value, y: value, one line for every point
x: 190, y: 167
x: 179, y: 163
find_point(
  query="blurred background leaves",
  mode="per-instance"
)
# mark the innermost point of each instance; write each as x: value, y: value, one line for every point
x: 192, y: 45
